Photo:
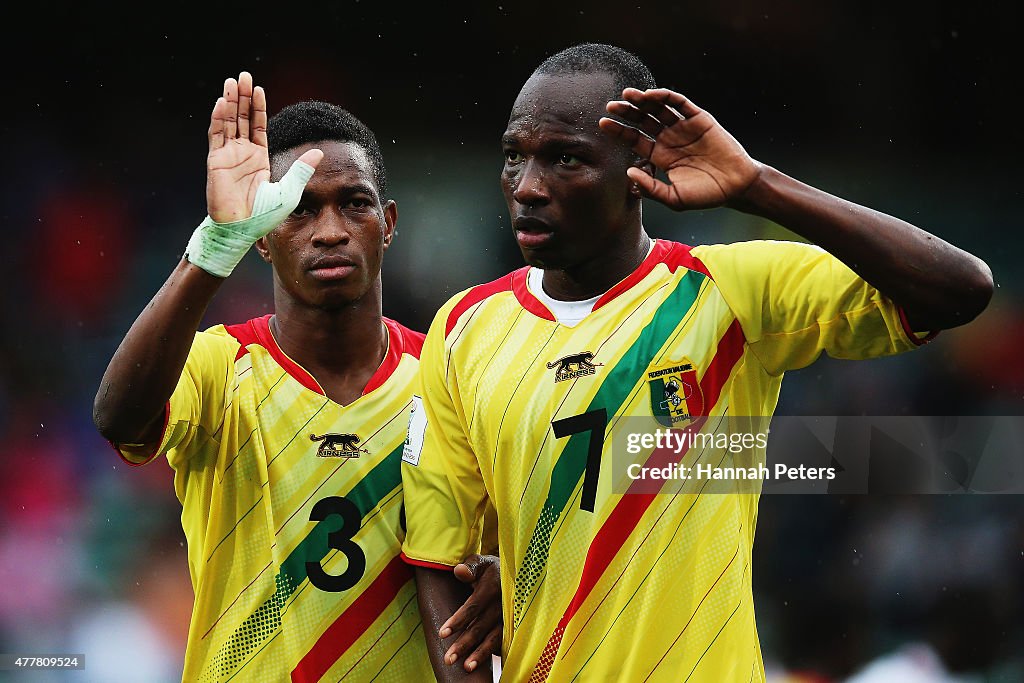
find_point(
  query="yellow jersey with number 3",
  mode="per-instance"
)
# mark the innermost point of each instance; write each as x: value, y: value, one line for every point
x: 602, y: 579
x: 293, y: 510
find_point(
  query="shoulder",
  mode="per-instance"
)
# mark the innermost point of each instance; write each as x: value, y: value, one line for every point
x: 243, y: 335
x: 756, y: 249
x: 402, y: 340
x: 459, y: 305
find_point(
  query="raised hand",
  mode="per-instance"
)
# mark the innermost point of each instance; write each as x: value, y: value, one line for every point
x: 705, y: 165
x: 242, y: 203
x: 238, y: 160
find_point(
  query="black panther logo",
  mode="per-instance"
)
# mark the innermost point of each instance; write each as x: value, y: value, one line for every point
x: 574, y: 365
x: 338, y: 446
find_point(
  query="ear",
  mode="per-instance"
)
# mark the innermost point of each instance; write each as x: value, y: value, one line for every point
x: 390, y: 221
x: 647, y: 167
x: 263, y: 249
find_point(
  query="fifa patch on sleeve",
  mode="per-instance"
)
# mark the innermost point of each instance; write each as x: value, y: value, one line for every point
x: 417, y: 428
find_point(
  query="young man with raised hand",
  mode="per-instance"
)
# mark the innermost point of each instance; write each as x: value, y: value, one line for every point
x: 285, y: 432
x: 524, y: 378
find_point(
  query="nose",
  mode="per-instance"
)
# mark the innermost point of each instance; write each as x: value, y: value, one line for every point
x: 330, y: 229
x: 529, y: 187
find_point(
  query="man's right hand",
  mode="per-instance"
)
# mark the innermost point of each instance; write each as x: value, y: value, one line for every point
x: 243, y: 204
x: 238, y: 160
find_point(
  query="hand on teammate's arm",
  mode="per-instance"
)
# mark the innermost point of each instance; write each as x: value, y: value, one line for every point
x: 937, y: 284
x: 477, y: 623
x: 470, y: 619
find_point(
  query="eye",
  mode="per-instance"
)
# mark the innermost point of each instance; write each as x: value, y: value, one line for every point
x: 568, y: 160
x: 300, y: 211
x: 359, y: 203
x: 512, y: 156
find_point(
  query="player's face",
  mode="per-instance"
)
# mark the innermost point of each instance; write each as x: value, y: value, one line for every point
x: 564, y: 180
x: 328, y: 252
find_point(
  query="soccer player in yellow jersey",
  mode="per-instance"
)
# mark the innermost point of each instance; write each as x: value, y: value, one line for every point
x: 285, y: 432
x: 523, y: 379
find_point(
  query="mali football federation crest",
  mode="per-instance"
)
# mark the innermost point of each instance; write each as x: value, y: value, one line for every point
x: 675, y: 393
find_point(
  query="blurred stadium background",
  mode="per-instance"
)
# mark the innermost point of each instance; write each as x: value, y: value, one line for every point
x: 909, y: 108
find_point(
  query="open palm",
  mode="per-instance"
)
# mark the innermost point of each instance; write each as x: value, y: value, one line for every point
x: 238, y: 161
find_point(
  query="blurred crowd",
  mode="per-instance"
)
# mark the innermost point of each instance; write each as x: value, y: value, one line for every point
x: 92, y: 559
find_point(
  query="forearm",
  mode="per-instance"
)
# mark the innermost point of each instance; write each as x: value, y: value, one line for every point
x: 937, y: 284
x: 144, y: 370
x: 440, y: 594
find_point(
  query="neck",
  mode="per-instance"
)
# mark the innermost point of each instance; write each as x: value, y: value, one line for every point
x: 597, y: 275
x: 341, y: 347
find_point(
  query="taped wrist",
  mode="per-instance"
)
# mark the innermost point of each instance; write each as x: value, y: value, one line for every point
x: 218, y: 247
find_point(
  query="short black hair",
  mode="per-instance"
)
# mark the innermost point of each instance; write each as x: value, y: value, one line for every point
x: 311, y: 121
x: 625, y: 68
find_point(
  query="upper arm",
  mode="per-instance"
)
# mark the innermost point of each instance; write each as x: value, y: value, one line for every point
x: 444, y: 491
x: 795, y: 301
x: 197, y: 404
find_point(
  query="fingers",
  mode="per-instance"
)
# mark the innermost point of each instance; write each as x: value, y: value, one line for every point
x: 657, y: 109
x: 460, y: 619
x: 244, y: 103
x: 650, y: 125
x: 667, y: 97
x: 231, y: 112
x: 481, y: 638
x: 652, y: 187
x: 216, y: 133
x: 641, y: 143
x: 482, y: 572
x: 259, y: 119
x: 491, y: 645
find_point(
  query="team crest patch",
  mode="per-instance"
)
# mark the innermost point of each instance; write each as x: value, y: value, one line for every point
x: 675, y: 393
x: 574, y: 365
x: 338, y: 446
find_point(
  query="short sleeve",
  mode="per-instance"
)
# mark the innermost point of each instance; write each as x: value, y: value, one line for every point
x: 795, y: 301
x: 198, y: 403
x: 445, y: 498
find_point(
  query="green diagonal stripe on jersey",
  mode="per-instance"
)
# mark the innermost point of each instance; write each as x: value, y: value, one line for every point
x: 258, y: 626
x: 612, y: 394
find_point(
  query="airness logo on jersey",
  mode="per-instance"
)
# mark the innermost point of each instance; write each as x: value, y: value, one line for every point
x: 675, y: 393
x: 574, y: 365
x: 338, y: 446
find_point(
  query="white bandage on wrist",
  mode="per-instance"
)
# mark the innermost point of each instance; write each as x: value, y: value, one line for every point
x: 218, y: 247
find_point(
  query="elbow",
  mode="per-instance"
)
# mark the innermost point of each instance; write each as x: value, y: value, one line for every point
x: 975, y: 292
x: 111, y: 421
x: 957, y: 300
x: 102, y: 416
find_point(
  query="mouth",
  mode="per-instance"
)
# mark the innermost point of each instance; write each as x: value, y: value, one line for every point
x: 532, y: 233
x: 331, y: 268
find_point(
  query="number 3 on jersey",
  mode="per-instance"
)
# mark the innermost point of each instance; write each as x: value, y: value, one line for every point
x: 340, y: 540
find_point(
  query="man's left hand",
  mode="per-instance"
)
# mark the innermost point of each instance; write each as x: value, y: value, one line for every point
x: 705, y: 165
x: 478, y: 621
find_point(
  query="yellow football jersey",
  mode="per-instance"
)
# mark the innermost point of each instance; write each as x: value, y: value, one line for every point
x: 603, y: 580
x: 292, y: 506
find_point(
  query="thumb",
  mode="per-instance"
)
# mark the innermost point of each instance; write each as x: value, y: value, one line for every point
x: 311, y: 157
x: 650, y: 186
x: 468, y: 569
x: 281, y: 198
